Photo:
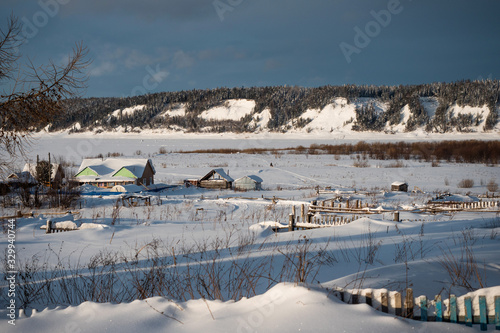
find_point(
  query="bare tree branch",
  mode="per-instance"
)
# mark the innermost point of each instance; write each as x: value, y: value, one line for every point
x: 35, y: 93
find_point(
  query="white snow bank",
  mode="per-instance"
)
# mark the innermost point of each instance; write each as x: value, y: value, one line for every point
x: 335, y: 116
x: 93, y: 226
x: 261, y: 120
x: 178, y: 110
x: 264, y: 229
x: 127, y: 111
x: 233, y: 109
x: 284, y: 308
x: 67, y: 225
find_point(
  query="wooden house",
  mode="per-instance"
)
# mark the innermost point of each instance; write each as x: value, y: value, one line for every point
x: 399, y: 187
x: 17, y: 179
x: 248, y: 183
x: 29, y: 175
x: 216, y: 179
x: 116, y: 171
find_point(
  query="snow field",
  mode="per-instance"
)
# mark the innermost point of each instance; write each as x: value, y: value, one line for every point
x: 225, y: 231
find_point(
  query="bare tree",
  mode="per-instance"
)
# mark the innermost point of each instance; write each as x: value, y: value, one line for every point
x: 31, y: 95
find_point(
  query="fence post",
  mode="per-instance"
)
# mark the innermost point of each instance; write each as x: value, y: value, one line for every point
x: 303, y: 212
x: 439, y: 309
x: 368, y: 298
x: 423, y: 308
x: 468, y: 311
x: 398, y: 308
x: 483, y: 314
x: 497, y: 312
x: 396, y: 216
x: 409, y: 303
x: 291, y: 222
x: 385, y: 302
x: 453, y: 309
x: 48, y: 228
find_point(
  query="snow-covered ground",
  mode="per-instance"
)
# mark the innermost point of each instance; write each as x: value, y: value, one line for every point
x: 188, y: 228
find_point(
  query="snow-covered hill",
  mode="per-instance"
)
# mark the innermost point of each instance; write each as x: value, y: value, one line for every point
x: 458, y: 107
x: 336, y: 117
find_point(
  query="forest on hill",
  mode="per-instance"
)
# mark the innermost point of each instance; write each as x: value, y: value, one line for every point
x: 286, y: 104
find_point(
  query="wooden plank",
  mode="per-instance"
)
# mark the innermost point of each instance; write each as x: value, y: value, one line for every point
x: 384, y: 301
x: 398, y: 308
x: 483, y: 314
x: 468, y: 311
x: 409, y: 303
x: 497, y: 313
x: 423, y: 308
x: 453, y: 309
x: 355, y: 298
x: 368, y: 298
x: 439, y: 309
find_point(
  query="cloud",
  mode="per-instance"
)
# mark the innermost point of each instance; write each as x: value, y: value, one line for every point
x: 160, y: 76
x: 272, y: 64
x: 103, y: 69
x: 182, y: 60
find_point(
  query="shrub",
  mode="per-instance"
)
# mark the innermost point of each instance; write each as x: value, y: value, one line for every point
x: 466, y: 183
x: 492, y: 186
x: 361, y: 164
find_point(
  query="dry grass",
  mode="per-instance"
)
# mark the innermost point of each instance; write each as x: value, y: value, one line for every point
x: 466, y: 183
x: 467, y: 151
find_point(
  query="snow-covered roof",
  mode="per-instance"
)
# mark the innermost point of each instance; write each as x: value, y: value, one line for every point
x: 399, y: 183
x: 108, y: 168
x: 21, y: 177
x: 31, y: 168
x: 252, y: 177
x: 220, y: 172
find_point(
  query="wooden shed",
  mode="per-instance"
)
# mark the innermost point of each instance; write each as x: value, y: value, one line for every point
x: 248, y: 183
x: 399, y: 187
x: 216, y: 179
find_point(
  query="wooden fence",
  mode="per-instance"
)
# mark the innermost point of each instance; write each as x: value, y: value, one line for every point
x: 458, y: 206
x: 468, y: 310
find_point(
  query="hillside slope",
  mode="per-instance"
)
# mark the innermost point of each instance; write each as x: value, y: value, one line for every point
x: 466, y: 106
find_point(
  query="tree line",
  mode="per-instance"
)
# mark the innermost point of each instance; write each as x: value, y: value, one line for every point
x: 287, y: 103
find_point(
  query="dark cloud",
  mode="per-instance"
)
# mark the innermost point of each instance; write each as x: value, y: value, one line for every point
x: 143, y: 9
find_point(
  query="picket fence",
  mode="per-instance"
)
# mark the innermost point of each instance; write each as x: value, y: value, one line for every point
x: 467, y: 310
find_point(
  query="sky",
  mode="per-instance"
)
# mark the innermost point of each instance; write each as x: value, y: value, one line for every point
x: 148, y: 46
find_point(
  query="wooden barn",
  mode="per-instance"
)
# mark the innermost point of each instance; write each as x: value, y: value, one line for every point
x: 248, y: 183
x: 216, y: 179
x: 399, y: 187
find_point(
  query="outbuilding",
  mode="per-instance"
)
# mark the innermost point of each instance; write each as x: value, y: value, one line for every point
x: 399, y: 187
x: 216, y: 179
x: 248, y: 183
